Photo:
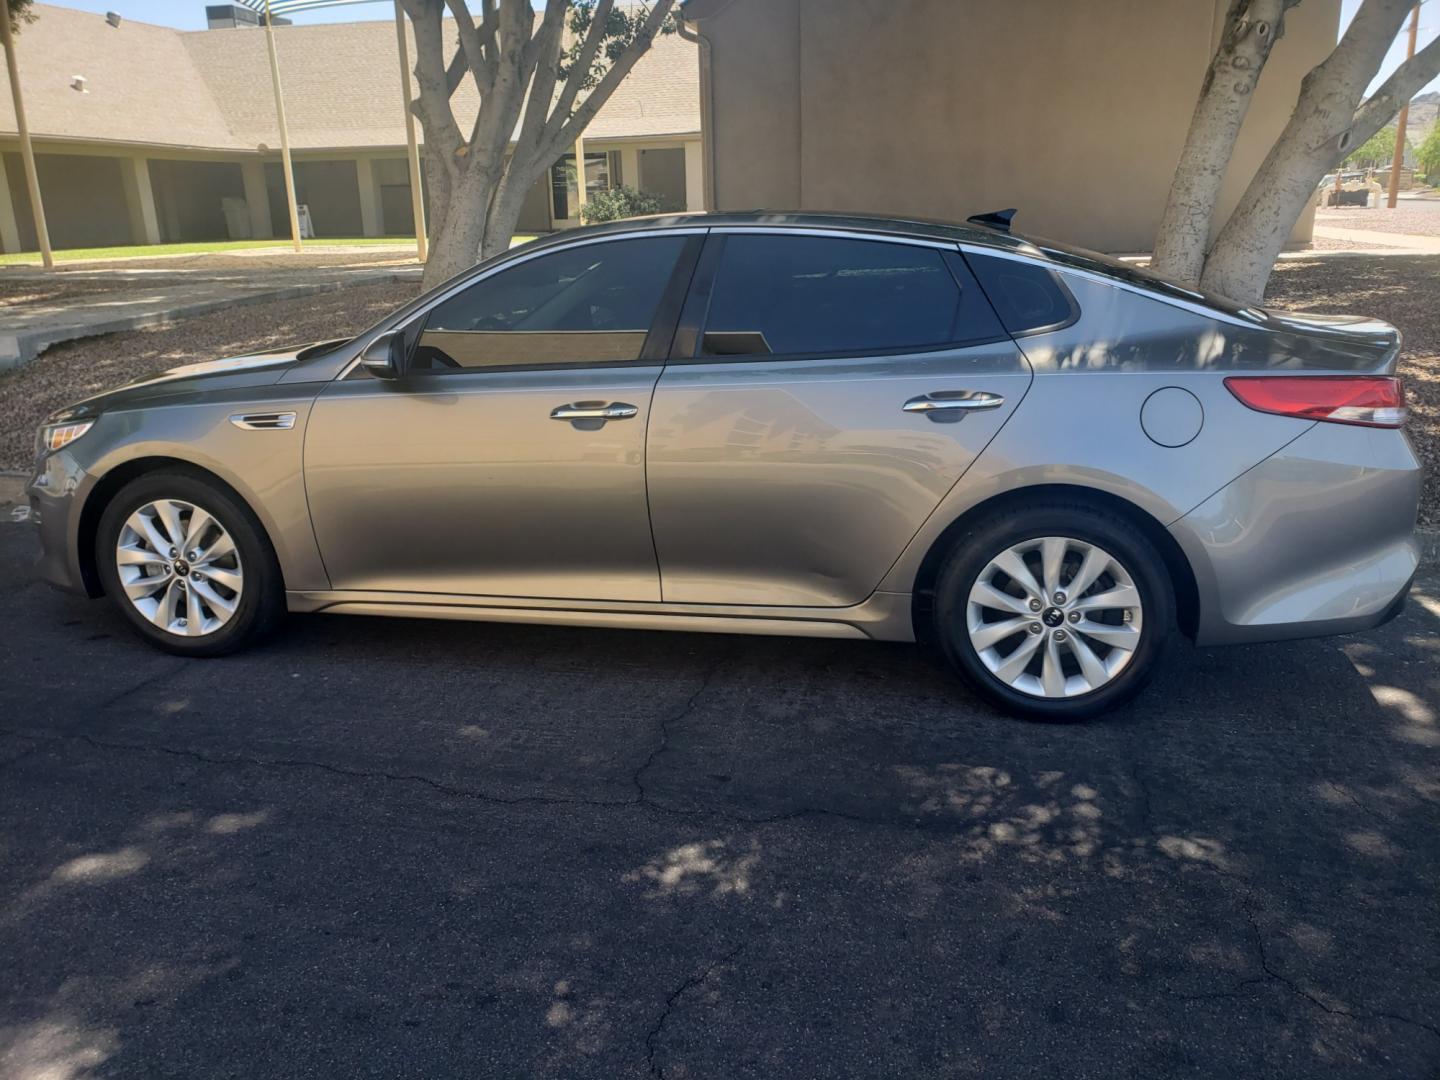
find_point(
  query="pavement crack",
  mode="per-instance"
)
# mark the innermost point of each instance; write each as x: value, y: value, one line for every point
x: 149, y: 680
x: 338, y: 770
x: 638, y: 777
x: 1272, y: 974
x: 652, y: 1039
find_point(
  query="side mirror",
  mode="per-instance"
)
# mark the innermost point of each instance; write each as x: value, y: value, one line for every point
x: 385, y: 356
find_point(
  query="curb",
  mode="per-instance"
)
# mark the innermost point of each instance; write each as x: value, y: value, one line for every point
x: 12, y: 491
x: 17, y: 350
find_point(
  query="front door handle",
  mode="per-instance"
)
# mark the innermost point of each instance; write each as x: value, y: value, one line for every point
x: 951, y: 405
x: 594, y: 410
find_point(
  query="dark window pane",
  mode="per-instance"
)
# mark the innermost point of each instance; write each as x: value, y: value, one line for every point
x: 583, y: 305
x: 1026, y: 295
x: 790, y: 295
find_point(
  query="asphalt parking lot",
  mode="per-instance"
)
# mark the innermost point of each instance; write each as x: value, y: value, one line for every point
x: 389, y: 848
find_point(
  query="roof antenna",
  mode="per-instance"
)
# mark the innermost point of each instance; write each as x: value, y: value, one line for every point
x: 995, y: 219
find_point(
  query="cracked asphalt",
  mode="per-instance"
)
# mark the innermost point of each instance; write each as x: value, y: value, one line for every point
x: 389, y: 848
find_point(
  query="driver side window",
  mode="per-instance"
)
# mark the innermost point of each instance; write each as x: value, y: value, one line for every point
x: 591, y: 304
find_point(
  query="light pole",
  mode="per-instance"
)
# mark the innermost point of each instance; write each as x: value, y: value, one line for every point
x: 284, y: 133
x: 27, y: 154
x: 1399, y: 159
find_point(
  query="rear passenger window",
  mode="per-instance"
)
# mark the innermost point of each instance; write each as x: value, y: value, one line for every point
x: 1027, y: 296
x: 815, y: 295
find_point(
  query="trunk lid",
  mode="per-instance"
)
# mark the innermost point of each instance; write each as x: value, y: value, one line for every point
x: 1348, y: 344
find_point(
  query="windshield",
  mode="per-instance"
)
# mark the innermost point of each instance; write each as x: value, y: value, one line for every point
x: 1095, y: 263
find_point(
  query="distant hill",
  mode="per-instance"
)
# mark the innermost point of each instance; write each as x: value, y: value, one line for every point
x: 1432, y: 98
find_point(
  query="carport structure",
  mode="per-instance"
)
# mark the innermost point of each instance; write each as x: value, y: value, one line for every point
x: 144, y: 134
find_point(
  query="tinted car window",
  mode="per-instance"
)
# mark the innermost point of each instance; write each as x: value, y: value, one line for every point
x: 591, y: 304
x: 802, y: 295
x: 1027, y: 295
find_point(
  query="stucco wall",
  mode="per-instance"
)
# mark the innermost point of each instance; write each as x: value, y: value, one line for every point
x: 1074, y: 112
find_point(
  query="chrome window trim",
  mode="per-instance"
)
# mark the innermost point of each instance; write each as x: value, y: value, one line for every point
x: 834, y: 234
x: 474, y: 279
x: 1114, y: 283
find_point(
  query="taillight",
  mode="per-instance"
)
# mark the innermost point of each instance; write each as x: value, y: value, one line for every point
x: 1369, y: 400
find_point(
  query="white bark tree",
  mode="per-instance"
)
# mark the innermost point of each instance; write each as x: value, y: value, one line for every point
x: 1251, y: 29
x: 538, y: 85
x: 1329, y: 120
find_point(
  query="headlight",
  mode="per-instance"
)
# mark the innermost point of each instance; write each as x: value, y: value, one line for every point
x: 55, y: 436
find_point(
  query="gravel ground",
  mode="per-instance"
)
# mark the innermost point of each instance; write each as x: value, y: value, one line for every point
x: 1401, y: 289
x: 1413, y: 216
x: 1325, y: 243
x: 77, y: 369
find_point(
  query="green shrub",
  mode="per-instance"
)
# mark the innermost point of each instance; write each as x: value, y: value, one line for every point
x: 620, y: 202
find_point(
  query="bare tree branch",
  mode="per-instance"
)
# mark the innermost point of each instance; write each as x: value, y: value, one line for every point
x: 580, y: 68
x: 626, y: 60
x: 473, y: 46
x: 544, y: 61
x: 1403, y: 84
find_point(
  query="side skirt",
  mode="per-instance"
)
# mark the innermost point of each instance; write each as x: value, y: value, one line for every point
x: 883, y: 617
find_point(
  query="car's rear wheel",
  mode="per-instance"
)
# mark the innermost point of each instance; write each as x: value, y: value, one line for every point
x: 1056, y: 611
x: 188, y: 565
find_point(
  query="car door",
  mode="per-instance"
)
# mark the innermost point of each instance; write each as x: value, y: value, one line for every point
x: 509, y: 459
x: 825, y: 392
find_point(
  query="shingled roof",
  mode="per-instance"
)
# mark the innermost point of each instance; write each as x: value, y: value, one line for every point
x: 210, y: 89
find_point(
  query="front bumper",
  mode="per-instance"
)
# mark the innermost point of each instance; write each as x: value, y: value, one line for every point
x: 1318, y: 539
x: 57, y: 492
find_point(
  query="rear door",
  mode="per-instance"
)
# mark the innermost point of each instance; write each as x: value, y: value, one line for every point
x: 825, y: 392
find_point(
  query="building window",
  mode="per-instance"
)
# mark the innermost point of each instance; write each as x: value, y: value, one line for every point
x: 565, y: 193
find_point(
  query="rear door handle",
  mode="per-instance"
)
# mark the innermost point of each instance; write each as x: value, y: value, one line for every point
x: 954, y: 402
x: 594, y: 410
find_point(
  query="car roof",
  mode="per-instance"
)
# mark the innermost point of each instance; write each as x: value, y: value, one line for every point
x: 978, y: 235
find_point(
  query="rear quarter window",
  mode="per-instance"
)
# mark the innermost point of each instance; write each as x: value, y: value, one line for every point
x: 1028, y: 297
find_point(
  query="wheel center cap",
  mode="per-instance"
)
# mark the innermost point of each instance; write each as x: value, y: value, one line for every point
x: 181, y: 567
x: 1053, y: 617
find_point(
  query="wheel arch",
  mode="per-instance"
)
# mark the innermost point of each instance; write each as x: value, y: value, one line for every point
x: 1177, y: 565
x: 114, y: 481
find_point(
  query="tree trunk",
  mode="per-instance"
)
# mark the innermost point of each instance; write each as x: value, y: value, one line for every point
x: 505, y: 210
x: 456, y: 241
x: 1324, y: 127
x: 1251, y: 29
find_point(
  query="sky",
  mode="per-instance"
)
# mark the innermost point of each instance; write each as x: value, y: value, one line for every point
x: 190, y: 15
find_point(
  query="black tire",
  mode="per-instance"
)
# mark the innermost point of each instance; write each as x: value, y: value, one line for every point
x: 972, y: 552
x: 261, y: 605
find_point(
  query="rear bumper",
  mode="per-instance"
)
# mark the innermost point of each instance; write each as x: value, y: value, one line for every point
x: 1318, y: 539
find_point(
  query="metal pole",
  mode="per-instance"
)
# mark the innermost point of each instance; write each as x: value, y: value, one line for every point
x: 1399, y: 159
x: 284, y: 133
x: 417, y: 193
x: 582, y: 195
x: 27, y: 154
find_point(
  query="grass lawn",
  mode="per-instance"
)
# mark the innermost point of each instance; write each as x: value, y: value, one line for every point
x: 144, y: 251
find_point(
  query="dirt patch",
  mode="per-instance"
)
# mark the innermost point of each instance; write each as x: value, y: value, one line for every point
x: 77, y: 369
x: 1403, y: 290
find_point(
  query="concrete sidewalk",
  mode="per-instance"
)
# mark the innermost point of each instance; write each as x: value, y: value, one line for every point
x: 1397, y: 243
x: 132, y: 300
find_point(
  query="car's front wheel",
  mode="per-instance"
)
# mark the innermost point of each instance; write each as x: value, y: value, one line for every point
x: 1056, y: 611
x: 188, y: 565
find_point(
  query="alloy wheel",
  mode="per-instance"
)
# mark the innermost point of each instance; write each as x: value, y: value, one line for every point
x: 179, y: 567
x: 1054, y: 617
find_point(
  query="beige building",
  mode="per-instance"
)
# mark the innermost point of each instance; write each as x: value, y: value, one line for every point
x: 144, y: 134
x: 1074, y: 111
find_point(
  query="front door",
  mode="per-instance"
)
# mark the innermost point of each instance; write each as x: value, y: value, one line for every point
x: 510, y: 459
x: 830, y: 391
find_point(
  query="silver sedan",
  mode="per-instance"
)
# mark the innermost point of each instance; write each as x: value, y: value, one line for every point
x: 1042, y: 461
